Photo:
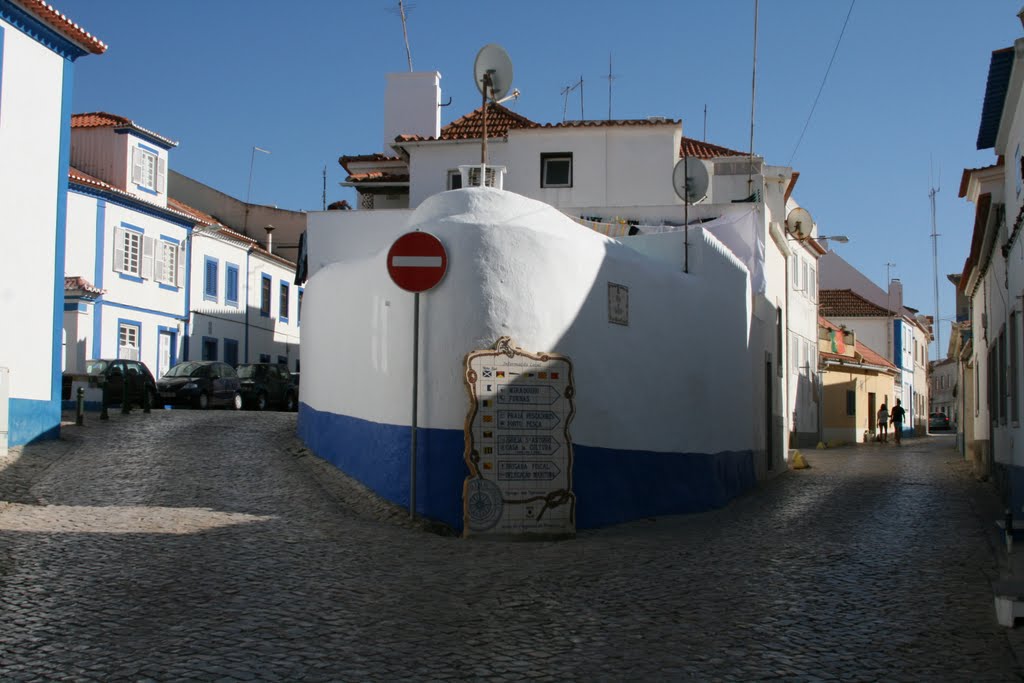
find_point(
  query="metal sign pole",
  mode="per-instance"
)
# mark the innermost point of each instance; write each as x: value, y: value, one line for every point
x: 415, y: 396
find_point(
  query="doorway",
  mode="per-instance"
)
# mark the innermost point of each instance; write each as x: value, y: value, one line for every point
x: 165, y: 352
x: 872, y: 409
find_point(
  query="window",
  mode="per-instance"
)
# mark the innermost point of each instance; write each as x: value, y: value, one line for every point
x: 812, y: 284
x: 794, y: 354
x: 265, y: 286
x: 264, y: 357
x: 1001, y: 372
x: 128, y: 340
x: 299, y: 306
x: 209, y: 348
x: 796, y: 273
x: 283, y: 360
x: 148, y: 169
x: 283, y: 308
x: 804, y: 277
x: 231, y: 352
x: 1014, y: 397
x: 556, y: 170
x: 169, y: 263
x: 210, y: 281
x: 455, y: 180
x: 851, y: 403
x: 128, y: 251
x: 230, y: 285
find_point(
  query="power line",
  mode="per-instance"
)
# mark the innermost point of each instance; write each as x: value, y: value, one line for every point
x: 822, y: 87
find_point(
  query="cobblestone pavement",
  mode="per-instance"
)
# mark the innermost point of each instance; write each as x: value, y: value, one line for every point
x: 210, y: 546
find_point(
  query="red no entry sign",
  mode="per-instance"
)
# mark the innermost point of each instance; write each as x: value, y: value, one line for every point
x: 417, y: 261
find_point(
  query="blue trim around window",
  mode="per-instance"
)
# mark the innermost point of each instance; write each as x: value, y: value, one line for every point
x: 155, y: 152
x: 75, y: 307
x: 143, y: 188
x: 145, y: 136
x: 284, y: 296
x: 298, y: 313
x: 151, y: 151
x: 231, y: 351
x: 142, y: 233
x: 269, y: 300
x: 231, y: 284
x: 126, y: 321
x: 207, y: 341
x: 211, y: 269
x: 35, y: 29
x: 164, y: 285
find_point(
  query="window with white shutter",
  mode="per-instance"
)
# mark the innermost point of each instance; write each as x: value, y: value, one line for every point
x: 167, y: 263
x: 148, y: 169
x: 128, y: 252
x: 128, y: 341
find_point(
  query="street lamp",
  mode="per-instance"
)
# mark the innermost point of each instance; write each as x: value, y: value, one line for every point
x: 248, y: 192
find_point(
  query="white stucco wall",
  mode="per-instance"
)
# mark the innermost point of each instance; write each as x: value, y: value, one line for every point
x: 30, y: 134
x: 518, y: 267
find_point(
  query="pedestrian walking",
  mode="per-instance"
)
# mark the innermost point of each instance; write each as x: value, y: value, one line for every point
x: 883, y: 423
x: 896, y: 417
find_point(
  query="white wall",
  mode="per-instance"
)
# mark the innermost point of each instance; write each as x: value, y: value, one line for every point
x: 507, y: 262
x: 412, y: 106
x: 30, y: 134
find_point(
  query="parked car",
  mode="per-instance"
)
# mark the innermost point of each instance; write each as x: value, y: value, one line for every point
x: 268, y: 384
x: 202, y: 384
x: 938, y: 422
x: 118, y: 376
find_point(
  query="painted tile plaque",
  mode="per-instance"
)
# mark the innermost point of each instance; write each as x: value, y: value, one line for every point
x: 518, y: 448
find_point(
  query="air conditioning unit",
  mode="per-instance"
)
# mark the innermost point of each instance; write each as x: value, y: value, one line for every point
x: 495, y: 176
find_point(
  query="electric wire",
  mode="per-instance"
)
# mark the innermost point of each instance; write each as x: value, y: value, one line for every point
x: 822, y: 87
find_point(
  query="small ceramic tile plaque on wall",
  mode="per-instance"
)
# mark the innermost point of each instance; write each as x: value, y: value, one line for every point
x: 618, y: 304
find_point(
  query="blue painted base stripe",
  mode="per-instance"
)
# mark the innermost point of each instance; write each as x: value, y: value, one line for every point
x: 30, y: 420
x: 611, y: 485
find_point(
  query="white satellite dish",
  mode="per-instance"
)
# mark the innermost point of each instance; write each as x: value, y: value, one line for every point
x: 690, y: 180
x: 799, y: 222
x: 493, y: 60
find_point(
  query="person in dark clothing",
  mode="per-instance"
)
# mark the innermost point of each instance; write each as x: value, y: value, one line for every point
x: 896, y: 417
x: 883, y: 420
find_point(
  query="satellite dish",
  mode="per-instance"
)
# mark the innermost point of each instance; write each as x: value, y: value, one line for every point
x: 492, y: 59
x: 690, y: 180
x: 799, y: 222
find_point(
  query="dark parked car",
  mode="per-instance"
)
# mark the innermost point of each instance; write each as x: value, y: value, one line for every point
x: 118, y: 376
x: 267, y: 384
x: 938, y: 422
x: 201, y: 383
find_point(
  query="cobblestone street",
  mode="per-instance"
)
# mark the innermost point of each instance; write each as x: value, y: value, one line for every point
x: 210, y: 546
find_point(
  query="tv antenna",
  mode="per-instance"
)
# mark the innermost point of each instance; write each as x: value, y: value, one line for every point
x: 492, y: 73
x: 405, y: 31
x: 611, y: 78
x: 565, y: 92
x: 935, y: 262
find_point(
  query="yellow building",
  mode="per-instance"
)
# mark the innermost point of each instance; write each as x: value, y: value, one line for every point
x: 856, y: 382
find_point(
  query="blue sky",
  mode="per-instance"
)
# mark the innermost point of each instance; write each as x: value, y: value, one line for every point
x: 305, y: 80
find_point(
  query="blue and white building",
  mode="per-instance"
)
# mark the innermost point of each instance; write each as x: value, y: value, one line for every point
x: 151, y: 278
x: 38, y: 49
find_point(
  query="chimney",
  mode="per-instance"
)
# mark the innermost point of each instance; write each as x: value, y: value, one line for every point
x: 270, y: 240
x: 895, y: 295
x: 412, y: 106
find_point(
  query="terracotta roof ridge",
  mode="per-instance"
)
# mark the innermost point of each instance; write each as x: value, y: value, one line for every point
x: 63, y: 24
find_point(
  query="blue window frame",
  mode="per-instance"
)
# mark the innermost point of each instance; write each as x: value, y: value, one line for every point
x: 266, y: 284
x: 283, y: 306
x: 298, y: 312
x: 210, y: 280
x: 209, y: 348
x: 230, y: 284
x: 231, y: 351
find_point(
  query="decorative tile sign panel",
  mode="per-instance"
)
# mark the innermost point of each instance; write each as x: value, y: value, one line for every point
x: 618, y: 304
x: 518, y: 447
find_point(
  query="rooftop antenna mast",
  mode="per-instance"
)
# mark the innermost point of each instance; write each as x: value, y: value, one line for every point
x: 753, y: 92
x: 565, y: 92
x: 324, y: 196
x: 935, y: 263
x: 405, y: 32
x: 611, y: 78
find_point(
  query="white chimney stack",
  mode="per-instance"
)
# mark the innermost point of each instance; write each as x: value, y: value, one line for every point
x: 412, y: 106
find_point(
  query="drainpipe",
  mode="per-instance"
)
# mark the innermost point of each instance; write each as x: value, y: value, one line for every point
x: 248, y: 252
x: 187, y: 316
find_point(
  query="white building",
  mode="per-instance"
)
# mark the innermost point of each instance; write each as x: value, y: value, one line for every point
x: 883, y: 322
x: 943, y: 389
x: 153, y: 279
x: 38, y: 48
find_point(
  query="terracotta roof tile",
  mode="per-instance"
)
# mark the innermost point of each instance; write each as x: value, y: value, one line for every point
x: 598, y: 123
x: 63, y: 25
x: 966, y: 177
x: 78, y: 283
x: 705, y: 150
x: 500, y: 120
x: 101, y: 119
x: 844, y: 303
x: 869, y: 355
x: 356, y: 158
x: 378, y: 177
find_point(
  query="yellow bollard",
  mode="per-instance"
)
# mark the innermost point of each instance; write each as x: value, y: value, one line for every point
x: 799, y: 462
